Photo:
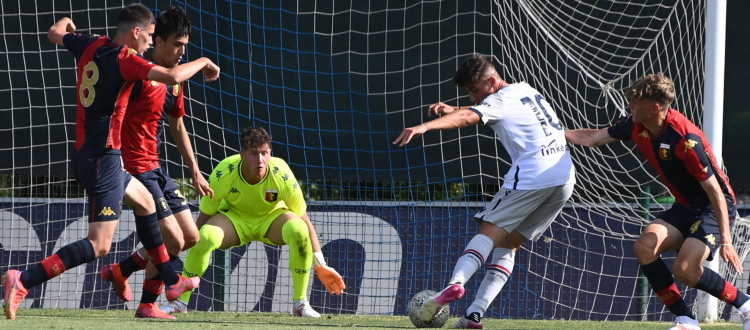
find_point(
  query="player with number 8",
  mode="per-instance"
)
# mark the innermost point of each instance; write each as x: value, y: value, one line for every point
x: 107, y: 68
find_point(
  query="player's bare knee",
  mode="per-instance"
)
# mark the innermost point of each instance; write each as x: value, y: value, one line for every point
x: 686, y: 273
x: 645, y: 251
x: 101, y: 250
x: 190, y: 240
x: 174, y: 245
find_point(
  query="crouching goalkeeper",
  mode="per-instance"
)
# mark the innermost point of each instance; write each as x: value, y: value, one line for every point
x: 257, y: 198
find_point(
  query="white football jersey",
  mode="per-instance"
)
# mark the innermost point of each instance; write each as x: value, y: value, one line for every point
x: 528, y: 128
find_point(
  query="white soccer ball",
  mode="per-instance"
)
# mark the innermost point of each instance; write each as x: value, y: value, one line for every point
x: 416, y: 304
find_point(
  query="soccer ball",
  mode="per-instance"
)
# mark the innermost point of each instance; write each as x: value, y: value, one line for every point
x: 416, y: 304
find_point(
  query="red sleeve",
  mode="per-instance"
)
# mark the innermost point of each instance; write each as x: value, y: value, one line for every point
x: 178, y: 108
x: 132, y: 66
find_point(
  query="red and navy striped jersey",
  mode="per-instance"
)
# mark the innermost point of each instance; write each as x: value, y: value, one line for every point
x: 681, y: 155
x: 150, y: 102
x: 106, y: 72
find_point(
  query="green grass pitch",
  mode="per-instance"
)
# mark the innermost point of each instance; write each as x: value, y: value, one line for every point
x: 121, y: 319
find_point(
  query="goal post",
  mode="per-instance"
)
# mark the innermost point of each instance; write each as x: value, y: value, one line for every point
x: 713, y: 121
x: 334, y: 82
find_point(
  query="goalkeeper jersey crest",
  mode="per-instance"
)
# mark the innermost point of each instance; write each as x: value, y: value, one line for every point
x: 278, y: 189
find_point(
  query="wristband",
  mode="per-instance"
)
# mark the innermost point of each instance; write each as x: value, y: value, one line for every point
x: 318, y: 259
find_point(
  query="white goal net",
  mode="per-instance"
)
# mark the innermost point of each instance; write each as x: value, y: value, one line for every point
x: 335, y: 82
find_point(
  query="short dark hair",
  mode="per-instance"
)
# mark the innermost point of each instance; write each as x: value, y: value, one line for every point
x: 472, y: 70
x: 172, y: 20
x: 134, y: 15
x: 254, y: 137
x: 655, y: 87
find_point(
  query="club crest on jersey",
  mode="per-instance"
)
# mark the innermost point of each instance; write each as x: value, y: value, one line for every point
x: 176, y: 89
x: 272, y: 195
x: 664, y: 151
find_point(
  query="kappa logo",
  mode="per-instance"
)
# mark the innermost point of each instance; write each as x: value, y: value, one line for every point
x: 234, y: 190
x: 711, y: 239
x: 690, y: 144
x: 230, y: 168
x: 644, y: 134
x: 107, y: 211
x: 154, y: 83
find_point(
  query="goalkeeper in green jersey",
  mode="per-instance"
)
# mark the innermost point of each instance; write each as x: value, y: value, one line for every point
x: 257, y: 198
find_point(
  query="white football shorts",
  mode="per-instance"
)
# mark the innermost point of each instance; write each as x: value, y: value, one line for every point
x: 530, y: 212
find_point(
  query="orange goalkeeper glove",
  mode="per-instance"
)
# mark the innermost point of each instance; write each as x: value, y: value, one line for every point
x: 331, y: 279
x: 327, y: 275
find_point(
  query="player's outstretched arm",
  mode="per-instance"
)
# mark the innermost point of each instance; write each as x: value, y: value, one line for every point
x: 180, y: 135
x: 455, y: 119
x: 440, y: 108
x: 61, y: 28
x: 183, y: 72
x: 589, y: 137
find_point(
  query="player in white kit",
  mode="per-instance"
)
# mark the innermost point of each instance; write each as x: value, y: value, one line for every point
x: 535, y: 189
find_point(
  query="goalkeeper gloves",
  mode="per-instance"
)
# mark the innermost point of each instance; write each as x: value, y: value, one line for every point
x: 327, y: 275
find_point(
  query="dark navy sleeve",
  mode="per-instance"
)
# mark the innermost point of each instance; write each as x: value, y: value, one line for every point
x: 692, y: 152
x: 77, y: 43
x: 622, y: 129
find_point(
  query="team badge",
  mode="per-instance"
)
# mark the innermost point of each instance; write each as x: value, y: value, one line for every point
x: 272, y: 195
x: 162, y: 203
x: 664, y: 151
x: 176, y: 89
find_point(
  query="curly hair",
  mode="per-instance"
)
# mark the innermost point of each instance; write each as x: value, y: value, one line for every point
x: 254, y: 137
x: 473, y: 69
x: 655, y: 87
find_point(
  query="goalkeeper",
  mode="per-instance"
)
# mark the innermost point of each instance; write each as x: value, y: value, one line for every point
x: 257, y: 198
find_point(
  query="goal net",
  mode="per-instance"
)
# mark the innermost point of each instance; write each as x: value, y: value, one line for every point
x: 334, y: 83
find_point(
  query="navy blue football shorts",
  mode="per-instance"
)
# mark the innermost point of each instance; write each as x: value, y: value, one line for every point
x: 167, y: 196
x: 104, y: 179
x: 699, y: 223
